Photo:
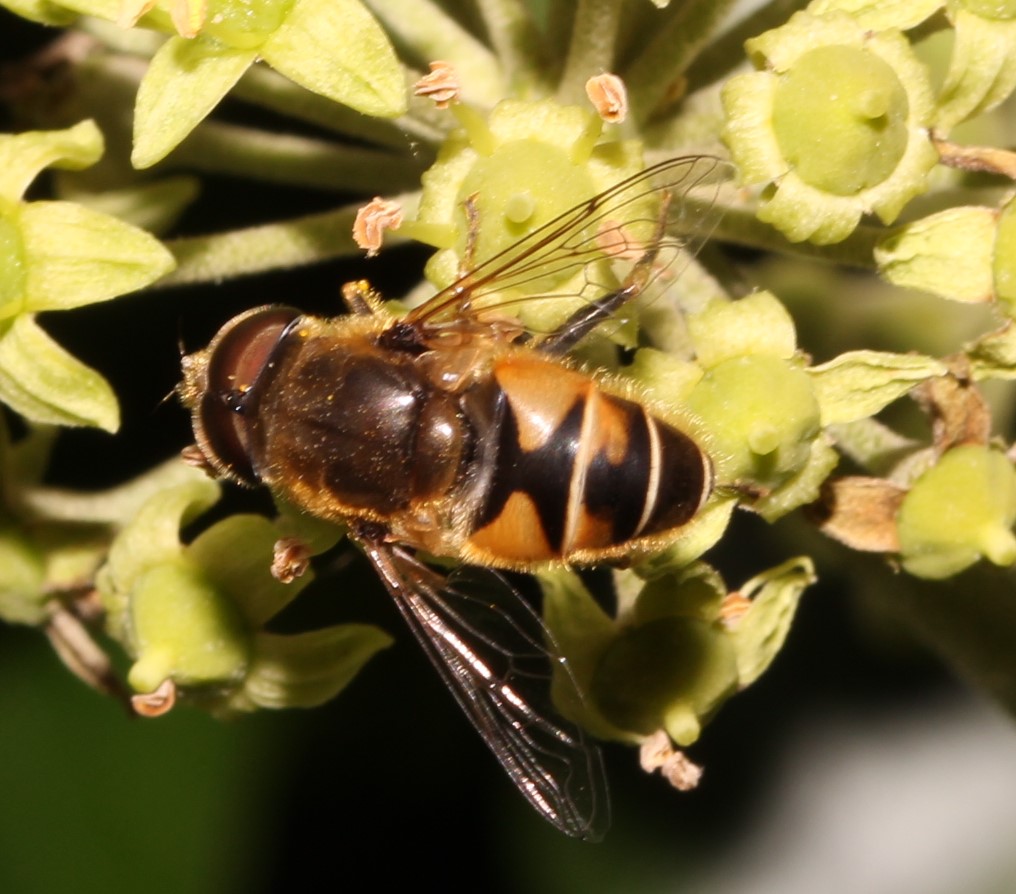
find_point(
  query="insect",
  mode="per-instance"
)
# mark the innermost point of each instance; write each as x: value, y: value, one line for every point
x: 455, y: 431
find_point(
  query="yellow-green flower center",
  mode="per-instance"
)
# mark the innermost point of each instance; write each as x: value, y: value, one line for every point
x: 521, y: 186
x: 840, y: 116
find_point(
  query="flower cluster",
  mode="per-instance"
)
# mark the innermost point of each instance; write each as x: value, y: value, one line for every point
x: 840, y: 129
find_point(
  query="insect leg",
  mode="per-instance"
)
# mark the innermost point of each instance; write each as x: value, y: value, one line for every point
x: 360, y: 298
x: 587, y: 318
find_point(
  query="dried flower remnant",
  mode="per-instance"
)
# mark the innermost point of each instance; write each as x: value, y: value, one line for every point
x: 156, y: 703
x: 80, y: 653
x: 441, y: 85
x: 733, y: 608
x: 609, y: 97
x: 290, y: 560
x: 657, y: 753
x: 860, y: 512
x: 371, y: 222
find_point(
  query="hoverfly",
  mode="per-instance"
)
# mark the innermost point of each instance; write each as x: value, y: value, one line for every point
x: 456, y: 432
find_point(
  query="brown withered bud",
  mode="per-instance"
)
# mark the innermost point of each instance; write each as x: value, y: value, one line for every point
x: 958, y: 411
x: 860, y: 513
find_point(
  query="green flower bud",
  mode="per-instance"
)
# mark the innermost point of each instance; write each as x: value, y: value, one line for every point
x: 184, y: 629
x: 761, y: 417
x: 836, y: 124
x: 670, y: 673
x: 689, y: 645
x: 756, y: 324
x: 681, y: 647
x: 961, y: 509
x: 242, y: 23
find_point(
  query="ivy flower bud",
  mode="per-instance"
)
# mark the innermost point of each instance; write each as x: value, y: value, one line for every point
x: 687, y: 645
x: 960, y: 510
x: 500, y: 178
x: 835, y: 125
x: 761, y: 415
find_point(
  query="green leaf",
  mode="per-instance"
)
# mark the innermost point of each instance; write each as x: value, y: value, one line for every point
x: 44, y: 383
x: 308, y: 669
x: 335, y: 48
x: 22, y: 157
x: 185, y: 81
x: 77, y: 256
x: 858, y: 384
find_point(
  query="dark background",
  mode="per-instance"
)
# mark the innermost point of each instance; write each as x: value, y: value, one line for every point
x: 387, y: 784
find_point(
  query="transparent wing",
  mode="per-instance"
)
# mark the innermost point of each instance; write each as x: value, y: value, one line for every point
x: 620, y: 223
x: 488, y: 645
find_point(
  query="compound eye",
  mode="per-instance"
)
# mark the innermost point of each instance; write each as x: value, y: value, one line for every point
x: 238, y: 358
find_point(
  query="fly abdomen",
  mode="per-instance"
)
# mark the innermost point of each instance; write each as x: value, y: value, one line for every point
x: 580, y: 471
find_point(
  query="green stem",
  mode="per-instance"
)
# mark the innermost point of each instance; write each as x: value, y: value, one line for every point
x: 558, y: 25
x: 134, y: 41
x: 739, y: 226
x: 306, y: 240
x: 427, y: 33
x: 215, y: 147
x: 724, y: 54
x: 270, y: 90
x: 683, y: 29
x: 516, y: 41
x: 118, y: 505
x: 592, y: 47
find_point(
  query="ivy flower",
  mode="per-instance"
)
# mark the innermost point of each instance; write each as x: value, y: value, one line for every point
x: 193, y: 616
x: 835, y: 125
